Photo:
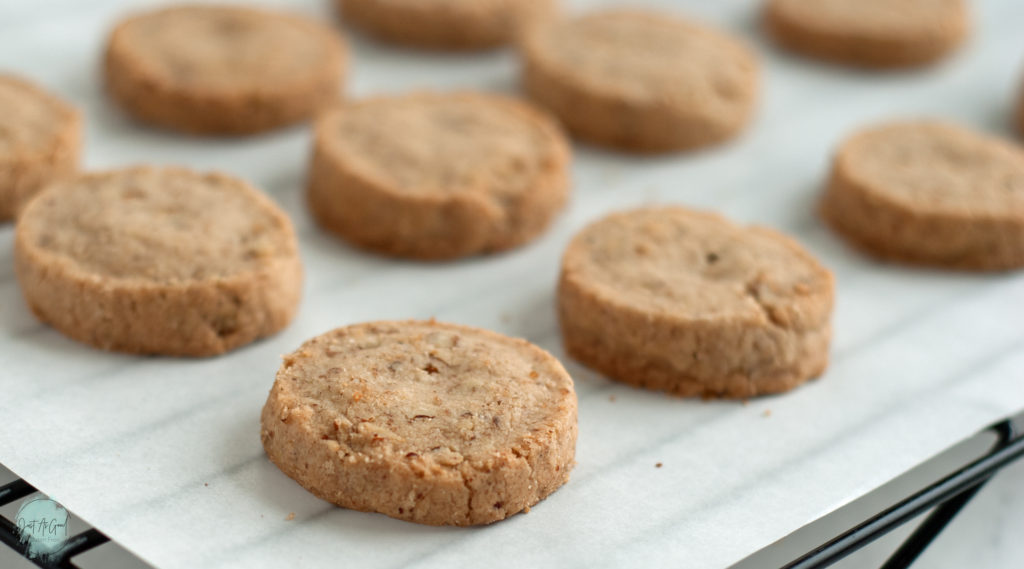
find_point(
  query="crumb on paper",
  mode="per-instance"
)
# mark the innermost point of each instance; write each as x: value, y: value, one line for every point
x: 611, y: 398
x: 658, y: 465
x: 746, y: 402
x: 207, y: 484
x: 767, y: 413
x: 289, y: 517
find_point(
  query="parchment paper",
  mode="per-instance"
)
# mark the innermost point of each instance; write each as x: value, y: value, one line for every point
x: 164, y: 455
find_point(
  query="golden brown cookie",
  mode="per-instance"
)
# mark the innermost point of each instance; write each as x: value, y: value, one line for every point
x: 158, y: 261
x: 223, y: 69
x: 438, y: 176
x: 447, y: 24
x: 869, y: 33
x: 927, y: 192
x: 689, y: 303
x: 641, y: 81
x: 427, y: 422
x: 40, y: 141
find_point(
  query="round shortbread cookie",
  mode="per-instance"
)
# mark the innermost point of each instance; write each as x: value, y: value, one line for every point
x: 869, y: 33
x: 692, y: 304
x: 641, y: 81
x: 158, y: 261
x: 447, y: 24
x: 927, y: 192
x: 427, y: 422
x: 438, y: 176
x: 223, y: 69
x: 40, y: 141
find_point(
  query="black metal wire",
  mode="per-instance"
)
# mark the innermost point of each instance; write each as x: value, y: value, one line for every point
x: 78, y: 544
x: 60, y: 559
x: 15, y: 490
x: 10, y: 537
x: 937, y: 521
x: 950, y: 493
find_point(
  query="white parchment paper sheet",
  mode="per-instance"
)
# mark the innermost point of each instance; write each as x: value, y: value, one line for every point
x: 164, y: 454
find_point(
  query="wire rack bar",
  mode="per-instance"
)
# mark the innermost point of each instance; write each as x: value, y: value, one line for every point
x: 948, y: 496
x: 60, y: 559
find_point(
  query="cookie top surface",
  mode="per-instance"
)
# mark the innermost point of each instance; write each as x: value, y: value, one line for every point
x: 226, y: 48
x: 648, y: 58
x: 907, y: 20
x: 156, y: 226
x: 690, y: 265
x: 930, y: 166
x: 424, y: 390
x: 31, y: 119
x: 451, y: 6
x: 433, y: 143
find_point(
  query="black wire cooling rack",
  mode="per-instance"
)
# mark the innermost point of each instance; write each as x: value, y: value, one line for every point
x: 943, y: 498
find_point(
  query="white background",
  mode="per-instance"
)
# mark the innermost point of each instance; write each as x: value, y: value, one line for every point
x: 164, y: 455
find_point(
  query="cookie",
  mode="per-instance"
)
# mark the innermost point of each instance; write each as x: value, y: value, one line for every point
x: 438, y: 175
x: 222, y: 69
x: 40, y: 141
x: 427, y: 422
x: 158, y: 261
x: 869, y: 33
x: 689, y: 303
x: 641, y: 81
x: 447, y: 24
x: 930, y: 193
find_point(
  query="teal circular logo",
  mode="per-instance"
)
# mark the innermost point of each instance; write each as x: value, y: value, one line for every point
x: 42, y: 526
